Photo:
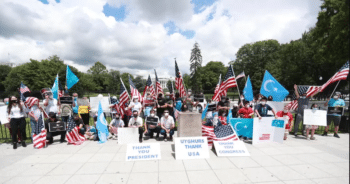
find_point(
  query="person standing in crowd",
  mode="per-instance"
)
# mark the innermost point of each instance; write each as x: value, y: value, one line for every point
x: 262, y: 109
x: 116, y: 123
x: 49, y: 135
x: 136, y: 121
x: 17, y: 122
x: 151, y: 128
x: 178, y: 102
x: 168, y: 125
x: 169, y: 104
x: 234, y: 111
x: 246, y: 111
x: 287, y: 115
x: 135, y: 105
x: 65, y: 108
x: 336, y: 101
x: 188, y: 102
x: 256, y: 99
x: 303, y: 103
x: 50, y: 104
x: 83, y: 111
x: 241, y: 101
x: 223, y: 105
x: 223, y: 118
x: 161, y: 105
x: 148, y: 105
x: 34, y: 114
x: 314, y: 107
x: 128, y: 114
x: 270, y: 98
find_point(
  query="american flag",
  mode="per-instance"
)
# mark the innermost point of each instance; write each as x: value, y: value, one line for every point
x: 73, y: 135
x: 39, y: 137
x: 24, y: 88
x: 240, y: 75
x: 230, y: 80
x: 30, y: 101
x: 119, y: 109
x: 176, y: 113
x: 123, y: 97
x: 134, y: 91
x: 309, y: 90
x: 179, y: 81
x: 217, y: 91
x: 219, y: 133
x: 159, y: 88
x: 342, y: 74
x: 149, y: 87
x: 293, y: 105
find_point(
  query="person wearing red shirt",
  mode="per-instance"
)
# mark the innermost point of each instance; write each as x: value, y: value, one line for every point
x: 246, y: 111
x: 223, y: 118
x: 286, y: 114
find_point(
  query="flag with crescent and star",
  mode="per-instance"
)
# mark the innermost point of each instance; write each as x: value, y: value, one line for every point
x: 243, y: 126
x: 248, y: 91
x: 271, y: 87
x: 101, y: 125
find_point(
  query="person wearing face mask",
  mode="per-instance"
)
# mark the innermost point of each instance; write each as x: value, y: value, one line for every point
x: 286, y: 115
x: 303, y: 102
x: 169, y: 104
x: 116, y: 123
x: 262, y: 109
x: 50, y: 104
x: 151, y: 127
x: 148, y: 105
x: 246, y: 111
x: 336, y: 101
x: 241, y: 101
x: 161, y: 105
x: 223, y: 118
x: 314, y: 107
x: 168, y: 125
x: 17, y: 122
x: 223, y: 105
x: 135, y: 105
x: 136, y: 122
x: 188, y: 102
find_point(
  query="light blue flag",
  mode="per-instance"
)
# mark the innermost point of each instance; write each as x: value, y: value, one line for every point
x: 204, y: 112
x: 72, y: 79
x: 229, y: 116
x: 243, y: 126
x: 270, y: 86
x: 248, y: 90
x: 101, y: 125
x: 54, y: 88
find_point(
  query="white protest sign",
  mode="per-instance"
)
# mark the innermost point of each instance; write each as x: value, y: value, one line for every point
x: 3, y: 115
x: 94, y: 101
x: 277, y: 106
x: 128, y: 135
x: 268, y: 130
x: 148, y: 151
x: 230, y: 148
x: 315, y: 117
x: 191, y: 148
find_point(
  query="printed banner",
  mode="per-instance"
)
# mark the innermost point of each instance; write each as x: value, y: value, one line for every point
x: 230, y: 148
x: 191, y: 148
x: 145, y: 151
x: 268, y: 129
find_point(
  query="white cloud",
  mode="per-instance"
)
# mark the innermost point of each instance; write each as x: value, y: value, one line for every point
x: 78, y: 31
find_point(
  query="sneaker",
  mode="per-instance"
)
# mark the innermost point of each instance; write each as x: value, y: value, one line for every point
x: 312, y: 138
x: 308, y: 138
x: 110, y: 136
x: 165, y: 140
x: 296, y: 135
x: 14, y: 145
x: 336, y: 135
x: 140, y: 140
x: 63, y: 141
x: 324, y: 133
x: 24, y: 144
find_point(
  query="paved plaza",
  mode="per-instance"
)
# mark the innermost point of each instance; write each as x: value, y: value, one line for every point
x: 297, y: 160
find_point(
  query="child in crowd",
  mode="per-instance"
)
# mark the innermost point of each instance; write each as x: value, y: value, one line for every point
x: 314, y: 107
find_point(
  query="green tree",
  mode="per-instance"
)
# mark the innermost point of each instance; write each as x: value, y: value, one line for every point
x: 4, y: 71
x: 113, y: 81
x: 210, y: 75
x: 196, y: 64
x: 99, y: 74
x: 187, y: 81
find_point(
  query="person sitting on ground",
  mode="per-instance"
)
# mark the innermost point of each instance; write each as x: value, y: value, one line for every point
x: 114, y: 125
x: 246, y: 111
x: 168, y: 125
x: 336, y: 101
x: 314, y: 107
x: 223, y: 118
x: 50, y: 135
x: 80, y: 123
x: 136, y: 122
x: 287, y: 115
x: 262, y: 109
x: 151, y: 128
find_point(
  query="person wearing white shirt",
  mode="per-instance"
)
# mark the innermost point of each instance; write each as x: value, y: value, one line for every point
x: 16, y: 113
x: 168, y: 125
x: 135, y: 105
x: 136, y: 122
x: 51, y: 104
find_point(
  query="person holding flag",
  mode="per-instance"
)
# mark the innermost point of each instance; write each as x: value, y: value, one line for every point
x: 336, y: 101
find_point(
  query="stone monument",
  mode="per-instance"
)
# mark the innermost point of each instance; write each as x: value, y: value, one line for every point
x: 189, y: 124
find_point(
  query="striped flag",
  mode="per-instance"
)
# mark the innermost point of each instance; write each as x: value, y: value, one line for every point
x: 179, y: 81
x: 148, y: 87
x: 159, y: 88
x: 309, y: 90
x: 293, y: 105
x: 342, y: 74
x: 123, y: 97
x: 30, y: 101
x: 240, y: 75
x: 176, y: 113
x: 73, y: 135
x: 219, y: 133
x: 134, y: 91
x: 230, y: 80
x: 217, y: 91
x: 39, y: 137
x: 24, y: 88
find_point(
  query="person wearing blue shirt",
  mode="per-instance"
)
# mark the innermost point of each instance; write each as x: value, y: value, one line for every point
x: 336, y: 101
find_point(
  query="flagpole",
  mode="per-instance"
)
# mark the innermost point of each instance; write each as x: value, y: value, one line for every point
x: 335, y: 88
x: 155, y: 74
x: 239, y: 95
x: 125, y: 88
